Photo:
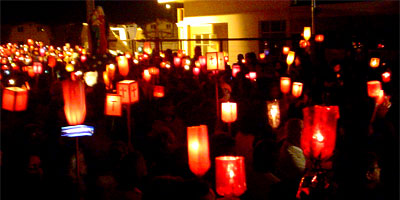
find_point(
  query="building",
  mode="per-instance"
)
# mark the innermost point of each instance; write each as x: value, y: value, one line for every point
x: 31, y: 30
x: 162, y: 29
x: 278, y: 21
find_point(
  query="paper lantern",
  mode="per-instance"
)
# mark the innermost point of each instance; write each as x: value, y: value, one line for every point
x: 290, y: 57
x: 374, y: 62
x: 146, y: 75
x: 110, y: 70
x: 262, y: 56
x: 235, y: 69
x: 37, y: 67
x: 162, y: 64
x: 273, y: 113
x: 304, y: 43
x: 113, y: 105
x: 198, y: 150
x: 319, y: 38
x: 180, y: 53
x: 196, y: 71
x: 83, y: 58
x: 230, y: 175
x: 90, y: 78
x: 226, y: 58
x: 74, y: 101
x: 30, y: 71
x: 15, y: 99
x: 158, y: 91
x: 285, y: 85
x: 373, y: 88
x: 215, y: 61
x: 285, y: 50
x: 107, y: 81
x: 154, y: 71
x: 30, y: 42
x: 252, y: 75
x: 386, y: 77
x: 177, y: 61
x: 380, y: 98
x: 69, y: 67
x: 42, y: 52
x: 319, y: 133
x: 203, y: 61
x: 197, y: 63
x: 147, y: 47
x: 123, y: 65
x: 307, y: 33
x: 129, y: 91
x: 51, y: 61
x: 297, y: 88
x: 228, y: 112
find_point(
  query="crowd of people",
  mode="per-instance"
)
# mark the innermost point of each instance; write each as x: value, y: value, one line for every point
x: 38, y: 163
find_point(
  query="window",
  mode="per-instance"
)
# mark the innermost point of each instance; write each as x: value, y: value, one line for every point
x: 272, y: 31
x: 20, y: 29
x: 168, y: 26
x: 204, y: 44
x: 153, y: 26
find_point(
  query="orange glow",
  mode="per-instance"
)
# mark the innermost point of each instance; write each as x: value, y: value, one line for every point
x: 319, y: 38
x: 113, y: 105
x: 285, y: 85
x: 107, y: 81
x: 15, y: 99
x: 146, y: 75
x: 177, y: 61
x: 374, y: 62
x: 262, y: 56
x: 129, y: 91
x: 386, y: 77
x: 128, y: 55
x: 215, y: 61
x: 235, y: 70
x: 74, y: 101
x: 110, y: 69
x: 317, y: 136
x: 290, y: 57
x: 230, y: 175
x: 203, y: 61
x: 304, y: 43
x: 123, y: 65
x: 30, y: 42
x: 37, y: 67
x: 69, y: 67
x: 243, y: 60
x: 51, y: 61
x: 380, y: 98
x: 198, y: 150
x: 229, y: 112
x: 297, y: 89
x: 83, y: 58
x: 196, y: 71
x: 307, y: 33
x: 158, y: 91
x: 162, y: 64
x: 197, y: 63
x: 154, y: 71
x: 273, y: 113
x: 226, y: 58
x: 373, y: 88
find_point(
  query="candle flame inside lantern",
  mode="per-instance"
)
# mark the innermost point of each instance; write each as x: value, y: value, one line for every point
x: 318, y: 136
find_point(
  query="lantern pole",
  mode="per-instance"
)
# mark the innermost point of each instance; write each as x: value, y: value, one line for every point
x: 77, y: 159
x: 230, y: 129
x: 216, y: 95
x: 374, y: 113
x: 312, y: 17
x: 129, y: 123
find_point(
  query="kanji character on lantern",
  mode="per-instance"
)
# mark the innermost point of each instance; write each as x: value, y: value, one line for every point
x: 129, y: 91
x: 113, y: 105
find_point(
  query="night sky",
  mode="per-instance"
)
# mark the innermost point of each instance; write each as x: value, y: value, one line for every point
x: 63, y: 12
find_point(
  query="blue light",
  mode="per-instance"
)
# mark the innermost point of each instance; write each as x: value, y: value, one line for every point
x: 266, y: 52
x: 7, y: 72
x: 46, y: 71
x: 77, y: 131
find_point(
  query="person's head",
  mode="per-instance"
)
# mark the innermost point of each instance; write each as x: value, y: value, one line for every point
x: 197, y: 51
x: 34, y: 165
x: 240, y: 57
x: 293, y: 130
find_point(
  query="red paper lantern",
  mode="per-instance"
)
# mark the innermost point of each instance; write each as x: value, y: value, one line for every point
x: 374, y: 62
x: 198, y: 150
x: 196, y: 71
x: 177, y: 61
x: 285, y: 50
x: 230, y: 175
x: 386, y: 77
x: 113, y: 105
x: 226, y: 58
x: 319, y: 38
x: 129, y: 91
x: 273, y: 113
x: 262, y: 56
x: 15, y: 99
x: 154, y: 71
x: 381, y: 98
x: 297, y: 88
x: 83, y: 58
x: 252, y: 76
x: 30, y: 71
x: 74, y: 101
x: 235, y: 70
x: 146, y: 75
x: 203, y: 61
x: 373, y: 88
x: 304, y: 43
x: 319, y: 134
x: 42, y: 52
x: 110, y: 70
x: 285, y: 85
x: 229, y: 112
x: 215, y: 61
x: 123, y: 65
x: 51, y: 61
x: 37, y: 67
x: 158, y: 91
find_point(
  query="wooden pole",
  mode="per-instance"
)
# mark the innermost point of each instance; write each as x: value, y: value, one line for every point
x: 77, y: 159
x: 129, y: 124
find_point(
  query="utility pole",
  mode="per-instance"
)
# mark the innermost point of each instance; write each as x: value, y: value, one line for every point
x: 312, y: 17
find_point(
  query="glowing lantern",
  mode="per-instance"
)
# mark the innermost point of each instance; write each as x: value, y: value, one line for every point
x: 215, y: 61
x: 90, y: 78
x: 319, y: 134
x: 74, y: 101
x: 235, y: 70
x: 51, y: 61
x: 147, y: 47
x: 285, y: 50
x: 123, y: 65
x: 273, y: 113
x: 128, y: 55
x: 230, y: 175
x: 373, y: 88
x: 386, y: 77
x: 198, y: 152
x: 319, y: 38
x: 129, y: 91
x: 162, y: 64
x: 146, y: 75
x: 180, y: 53
x: 30, y: 71
x: 285, y: 85
x: 381, y: 98
x: 304, y: 43
x: 69, y: 67
x: 15, y: 99
x: 307, y: 33
x: 243, y: 60
x: 113, y: 105
x: 42, y: 52
x: 37, y: 67
x: 110, y: 70
x: 107, y: 81
x: 374, y: 63
x: 197, y: 63
x: 186, y: 67
x: 297, y: 88
x: 30, y: 42
x: 154, y: 71
x: 226, y: 58
x: 177, y: 61
x: 83, y: 58
x: 262, y: 56
x: 290, y: 57
x: 229, y: 112
x: 196, y: 71
x: 252, y: 75
x: 167, y: 65
x: 158, y: 91
x: 203, y: 61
